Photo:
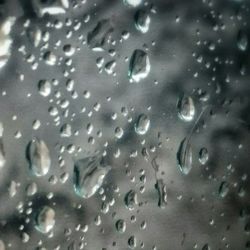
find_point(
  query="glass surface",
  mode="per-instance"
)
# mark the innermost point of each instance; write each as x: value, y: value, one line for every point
x: 124, y: 124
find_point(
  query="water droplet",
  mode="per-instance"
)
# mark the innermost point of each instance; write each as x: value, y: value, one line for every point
x: 186, y: 108
x: 132, y: 3
x: 132, y: 242
x: 39, y: 157
x: 242, y: 41
x: 98, y: 37
x: 223, y: 189
x: 139, y: 66
x: 142, y: 125
x: 54, y: 7
x: 203, y: 156
x: 142, y: 21
x: 206, y: 247
x: 184, y: 156
x: 89, y: 175
x: 120, y: 226
x: 162, y: 193
x: 5, y: 40
x: 131, y: 199
x: 2, y: 151
x: 45, y: 220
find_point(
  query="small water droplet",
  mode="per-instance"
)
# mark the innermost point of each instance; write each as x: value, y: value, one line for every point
x: 45, y: 220
x: 142, y: 124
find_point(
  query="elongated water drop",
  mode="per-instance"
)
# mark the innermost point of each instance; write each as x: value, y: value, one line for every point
x: 162, y: 193
x: 223, y: 189
x: 5, y: 40
x: 39, y: 157
x: 184, y: 156
x: 2, y: 151
x: 45, y: 220
x: 139, y: 66
x: 89, y: 174
x: 186, y: 108
x: 242, y: 40
x: 142, y: 124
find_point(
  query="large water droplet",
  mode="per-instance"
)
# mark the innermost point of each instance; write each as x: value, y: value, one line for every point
x: 162, y: 193
x: 142, y: 124
x: 139, y: 66
x: 45, y: 220
x: 89, y: 174
x: 131, y: 199
x: 39, y: 157
x: 186, y: 108
x: 184, y: 156
x: 242, y: 41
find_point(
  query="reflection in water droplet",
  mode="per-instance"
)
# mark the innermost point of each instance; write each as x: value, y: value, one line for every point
x: 89, y: 174
x: 139, y: 66
x: 45, y: 220
x: 39, y: 157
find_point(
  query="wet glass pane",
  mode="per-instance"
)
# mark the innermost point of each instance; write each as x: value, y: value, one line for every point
x: 124, y: 124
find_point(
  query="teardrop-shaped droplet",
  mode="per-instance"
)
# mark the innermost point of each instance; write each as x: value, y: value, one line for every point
x: 203, y: 156
x: 184, y: 156
x: 242, y: 41
x: 223, y: 189
x: 44, y: 88
x: 139, y: 66
x: 89, y: 174
x: 39, y: 157
x: 98, y: 37
x: 45, y: 220
x: 142, y: 21
x: 186, y: 108
x: 142, y: 124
